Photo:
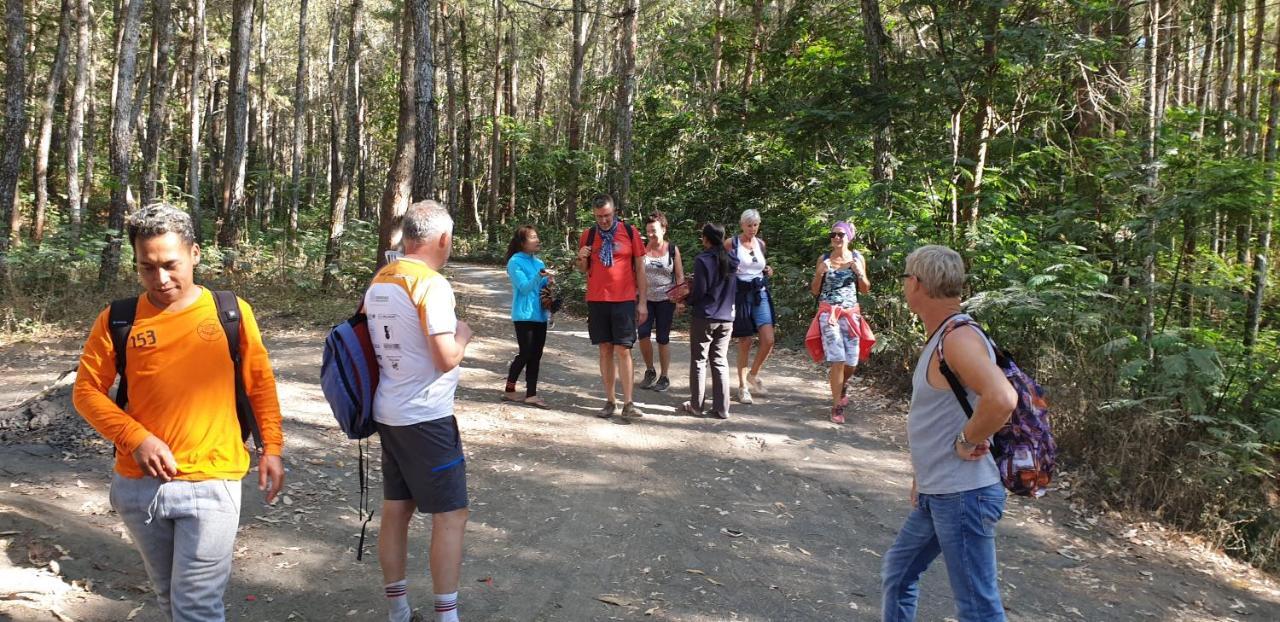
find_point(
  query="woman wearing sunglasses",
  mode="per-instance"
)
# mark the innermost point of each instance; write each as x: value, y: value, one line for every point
x: 838, y: 277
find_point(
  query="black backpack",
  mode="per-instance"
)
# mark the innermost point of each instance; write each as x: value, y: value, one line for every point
x: 120, y: 322
x: 591, y: 238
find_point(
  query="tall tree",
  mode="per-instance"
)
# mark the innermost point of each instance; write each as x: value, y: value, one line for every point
x: 237, y: 121
x: 342, y: 194
x: 882, y: 138
x: 122, y: 133
x: 470, y: 200
x: 753, y: 52
x: 398, y: 191
x: 1253, y: 319
x: 626, y: 103
x: 717, y: 56
x: 52, y: 88
x: 158, y: 116
x: 299, y: 112
x: 512, y: 82
x: 424, y: 175
x: 1151, y: 171
x: 495, y: 138
x: 199, y: 42
x: 451, y: 114
x: 75, y: 119
x: 575, y: 112
x: 15, y: 127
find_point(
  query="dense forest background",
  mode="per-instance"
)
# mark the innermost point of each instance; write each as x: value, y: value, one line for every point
x: 1108, y: 169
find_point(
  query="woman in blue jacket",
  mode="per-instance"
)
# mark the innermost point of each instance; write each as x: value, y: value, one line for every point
x: 528, y: 276
x: 711, y: 300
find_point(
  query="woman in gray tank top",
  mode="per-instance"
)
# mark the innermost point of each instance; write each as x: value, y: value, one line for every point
x: 663, y: 270
x: 956, y: 494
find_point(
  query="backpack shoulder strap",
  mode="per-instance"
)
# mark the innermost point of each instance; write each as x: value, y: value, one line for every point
x: 591, y: 241
x: 953, y: 380
x: 763, y: 246
x: 671, y: 252
x: 119, y: 323
x: 229, y: 316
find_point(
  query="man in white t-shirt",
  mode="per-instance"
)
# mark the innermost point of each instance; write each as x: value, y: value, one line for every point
x: 419, y: 343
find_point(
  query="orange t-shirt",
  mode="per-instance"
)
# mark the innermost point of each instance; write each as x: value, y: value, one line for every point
x: 616, y: 283
x: 181, y: 389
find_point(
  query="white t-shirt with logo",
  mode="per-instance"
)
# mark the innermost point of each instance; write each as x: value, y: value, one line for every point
x: 406, y: 303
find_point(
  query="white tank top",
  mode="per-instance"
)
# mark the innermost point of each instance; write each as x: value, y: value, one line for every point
x: 751, y: 261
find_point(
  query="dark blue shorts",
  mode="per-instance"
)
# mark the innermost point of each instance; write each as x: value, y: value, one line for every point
x: 424, y: 462
x: 661, y: 315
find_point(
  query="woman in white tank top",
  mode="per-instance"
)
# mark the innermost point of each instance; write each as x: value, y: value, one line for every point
x: 754, y: 310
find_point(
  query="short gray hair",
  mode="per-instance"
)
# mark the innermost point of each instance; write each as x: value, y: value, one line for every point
x: 939, y: 269
x: 425, y: 221
x: 158, y: 219
x: 749, y: 217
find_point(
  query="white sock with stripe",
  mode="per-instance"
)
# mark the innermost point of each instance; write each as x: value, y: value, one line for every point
x: 398, y: 609
x: 447, y: 607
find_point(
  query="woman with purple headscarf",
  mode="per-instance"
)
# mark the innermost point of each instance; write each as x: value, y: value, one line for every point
x: 838, y: 277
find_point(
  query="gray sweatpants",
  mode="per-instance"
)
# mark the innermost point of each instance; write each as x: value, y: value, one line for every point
x: 709, y: 343
x: 186, y: 532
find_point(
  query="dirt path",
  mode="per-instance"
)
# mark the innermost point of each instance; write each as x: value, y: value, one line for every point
x: 570, y: 511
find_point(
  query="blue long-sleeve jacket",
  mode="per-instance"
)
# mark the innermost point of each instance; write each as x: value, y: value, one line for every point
x: 526, y: 286
x: 713, y: 293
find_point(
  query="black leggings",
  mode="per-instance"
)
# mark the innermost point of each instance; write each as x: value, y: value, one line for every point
x: 532, y: 337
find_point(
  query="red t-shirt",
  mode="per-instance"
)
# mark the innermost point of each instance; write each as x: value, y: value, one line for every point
x: 616, y: 283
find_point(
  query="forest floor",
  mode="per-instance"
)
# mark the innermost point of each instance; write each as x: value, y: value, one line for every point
x: 773, y: 514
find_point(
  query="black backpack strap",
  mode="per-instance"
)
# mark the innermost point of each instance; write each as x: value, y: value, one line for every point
x: 230, y: 318
x: 591, y: 240
x: 953, y: 380
x: 671, y: 252
x: 119, y: 323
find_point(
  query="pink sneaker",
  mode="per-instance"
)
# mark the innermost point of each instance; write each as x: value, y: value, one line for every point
x: 837, y: 414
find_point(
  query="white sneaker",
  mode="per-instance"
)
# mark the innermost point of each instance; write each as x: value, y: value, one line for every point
x: 744, y: 395
x: 757, y: 385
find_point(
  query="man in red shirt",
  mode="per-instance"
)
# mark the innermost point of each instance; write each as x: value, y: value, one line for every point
x: 612, y: 255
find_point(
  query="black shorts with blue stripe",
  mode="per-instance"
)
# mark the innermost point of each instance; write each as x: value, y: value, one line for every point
x: 424, y: 462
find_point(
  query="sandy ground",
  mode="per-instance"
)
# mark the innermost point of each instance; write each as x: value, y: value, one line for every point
x: 577, y: 518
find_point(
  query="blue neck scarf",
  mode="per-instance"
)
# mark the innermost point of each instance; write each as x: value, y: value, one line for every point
x: 606, y: 244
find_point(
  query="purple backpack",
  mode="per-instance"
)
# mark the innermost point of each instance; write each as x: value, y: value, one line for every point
x: 1024, y: 450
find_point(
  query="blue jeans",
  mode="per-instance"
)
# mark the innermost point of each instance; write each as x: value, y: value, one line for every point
x: 961, y: 526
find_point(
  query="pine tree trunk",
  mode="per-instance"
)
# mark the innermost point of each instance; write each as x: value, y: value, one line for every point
x: 1253, y: 319
x: 122, y: 134
x: 199, y: 41
x: 399, y: 189
x: 984, y: 113
x: 753, y: 53
x: 1152, y: 175
x: 15, y: 122
x: 512, y: 111
x: 877, y: 49
x: 717, y: 57
x: 575, y: 112
x: 451, y: 113
x: 495, y: 138
x: 470, y: 200
x: 158, y: 116
x: 342, y: 196
x: 56, y: 75
x: 1206, y: 63
x: 75, y: 122
x: 90, y: 123
x: 299, y: 113
x: 625, y: 105
x: 237, y: 120
x: 424, y: 174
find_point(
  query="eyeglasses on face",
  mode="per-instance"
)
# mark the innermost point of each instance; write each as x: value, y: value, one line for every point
x: 836, y: 234
x: 905, y: 275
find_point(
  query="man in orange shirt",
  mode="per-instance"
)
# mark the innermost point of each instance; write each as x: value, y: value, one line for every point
x: 179, y: 450
x: 612, y: 255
